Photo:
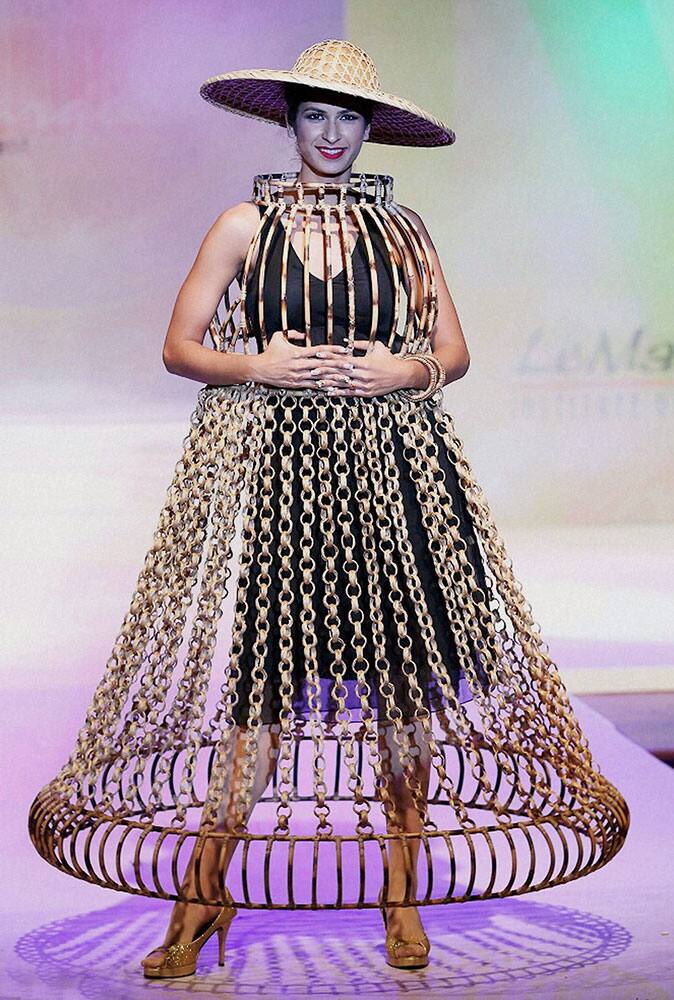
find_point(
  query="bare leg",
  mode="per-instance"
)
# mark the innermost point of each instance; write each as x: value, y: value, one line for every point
x: 188, y: 918
x: 404, y: 921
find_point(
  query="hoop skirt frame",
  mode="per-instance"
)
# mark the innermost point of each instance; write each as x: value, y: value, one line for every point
x: 371, y: 588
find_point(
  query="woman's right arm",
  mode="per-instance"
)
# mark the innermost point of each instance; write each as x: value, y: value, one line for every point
x: 219, y: 260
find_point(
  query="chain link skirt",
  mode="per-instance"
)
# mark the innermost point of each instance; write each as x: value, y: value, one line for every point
x: 326, y: 569
x: 345, y: 551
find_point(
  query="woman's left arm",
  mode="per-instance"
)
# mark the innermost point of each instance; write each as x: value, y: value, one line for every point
x: 448, y: 343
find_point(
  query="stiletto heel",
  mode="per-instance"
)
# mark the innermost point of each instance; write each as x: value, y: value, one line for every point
x: 181, y: 959
x: 393, y: 943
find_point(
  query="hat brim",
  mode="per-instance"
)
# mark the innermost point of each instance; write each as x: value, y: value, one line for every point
x: 260, y: 94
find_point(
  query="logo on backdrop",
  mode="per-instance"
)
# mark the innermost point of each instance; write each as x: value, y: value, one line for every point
x: 608, y: 373
x: 598, y: 355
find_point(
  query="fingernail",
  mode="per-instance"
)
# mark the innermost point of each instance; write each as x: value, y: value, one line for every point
x: 320, y: 354
x: 347, y: 365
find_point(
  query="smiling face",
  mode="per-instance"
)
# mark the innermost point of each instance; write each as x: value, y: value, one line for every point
x: 328, y: 137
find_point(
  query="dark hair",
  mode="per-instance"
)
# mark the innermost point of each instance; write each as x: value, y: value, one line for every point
x: 295, y: 93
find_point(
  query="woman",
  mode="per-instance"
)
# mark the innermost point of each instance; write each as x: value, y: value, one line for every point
x: 372, y: 586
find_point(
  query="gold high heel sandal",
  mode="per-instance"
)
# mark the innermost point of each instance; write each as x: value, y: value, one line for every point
x: 393, y: 943
x: 181, y: 959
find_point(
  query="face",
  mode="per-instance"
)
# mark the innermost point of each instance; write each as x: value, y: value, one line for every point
x: 329, y: 137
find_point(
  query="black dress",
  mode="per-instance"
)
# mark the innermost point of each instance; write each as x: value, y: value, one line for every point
x: 417, y: 533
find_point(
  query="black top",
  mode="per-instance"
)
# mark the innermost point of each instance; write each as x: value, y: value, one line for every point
x: 295, y: 291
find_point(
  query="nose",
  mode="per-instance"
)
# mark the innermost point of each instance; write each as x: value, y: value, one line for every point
x: 331, y: 133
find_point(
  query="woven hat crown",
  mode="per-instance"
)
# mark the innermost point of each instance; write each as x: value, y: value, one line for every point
x: 334, y: 65
x: 338, y: 61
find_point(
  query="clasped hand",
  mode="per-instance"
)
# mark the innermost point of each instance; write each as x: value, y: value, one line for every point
x: 332, y: 368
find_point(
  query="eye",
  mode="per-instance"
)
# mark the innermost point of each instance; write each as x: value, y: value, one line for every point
x: 318, y: 114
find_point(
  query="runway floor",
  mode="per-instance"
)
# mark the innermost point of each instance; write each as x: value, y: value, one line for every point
x: 609, y: 935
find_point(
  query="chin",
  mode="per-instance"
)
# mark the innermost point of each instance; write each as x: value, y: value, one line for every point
x: 330, y: 167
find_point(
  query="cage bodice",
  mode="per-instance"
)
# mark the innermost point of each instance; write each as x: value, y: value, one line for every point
x: 337, y: 261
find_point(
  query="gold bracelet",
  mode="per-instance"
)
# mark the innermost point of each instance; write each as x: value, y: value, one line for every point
x: 424, y: 360
x: 420, y: 394
x: 442, y: 382
x: 440, y: 372
x: 437, y: 376
x: 432, y: 381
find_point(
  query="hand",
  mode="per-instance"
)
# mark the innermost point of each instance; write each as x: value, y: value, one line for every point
x: 378, y: 372
x: 293, y: 367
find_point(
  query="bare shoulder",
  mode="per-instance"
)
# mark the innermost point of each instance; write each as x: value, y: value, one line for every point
x: 225, y: 245
x: 236, y: 224
x: 410, y: 211
x: 417, y: 220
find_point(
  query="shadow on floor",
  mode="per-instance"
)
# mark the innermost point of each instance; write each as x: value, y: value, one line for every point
x: 486, y: 943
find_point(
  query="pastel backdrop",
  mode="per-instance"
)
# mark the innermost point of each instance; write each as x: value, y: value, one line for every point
x: 551, y: 214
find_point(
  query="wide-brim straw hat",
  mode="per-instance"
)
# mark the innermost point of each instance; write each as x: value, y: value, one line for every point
x: 332, y: 65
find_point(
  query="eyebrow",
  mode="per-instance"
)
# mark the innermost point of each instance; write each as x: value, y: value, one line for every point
x: 311, y: 107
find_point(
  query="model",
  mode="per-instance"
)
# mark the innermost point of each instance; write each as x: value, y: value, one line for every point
x: 329, y: 690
